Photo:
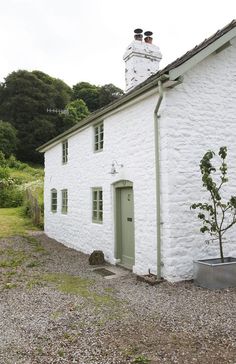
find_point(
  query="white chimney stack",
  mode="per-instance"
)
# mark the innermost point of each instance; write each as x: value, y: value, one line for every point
x: 141, y: 58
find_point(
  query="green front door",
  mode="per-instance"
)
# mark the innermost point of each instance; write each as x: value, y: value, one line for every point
x: 126, y: 227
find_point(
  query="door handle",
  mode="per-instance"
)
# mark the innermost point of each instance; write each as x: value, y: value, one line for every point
x: 129, y: 219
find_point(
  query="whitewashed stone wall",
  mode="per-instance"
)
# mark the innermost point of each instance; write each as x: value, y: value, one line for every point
x: 199, y: 115
x: 196, y: 116
x: 128, y: 139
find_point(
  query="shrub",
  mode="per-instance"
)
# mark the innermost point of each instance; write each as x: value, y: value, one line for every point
x: 3, y: 162
x: 11, y: 197
x: 4, y: 176
x: 10, y: 194
x: 12, y: 162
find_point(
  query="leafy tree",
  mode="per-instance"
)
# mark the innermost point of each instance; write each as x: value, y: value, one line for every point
x: 3, y: 161
x: 96, y: 97
x: 8, y: 138
x: 109, y: 93
x: 88, y: 93
x: 77, y: 110
x: 217, y: 216
x: 25, y: 98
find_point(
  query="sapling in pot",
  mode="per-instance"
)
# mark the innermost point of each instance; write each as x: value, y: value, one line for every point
x: 217, y: 214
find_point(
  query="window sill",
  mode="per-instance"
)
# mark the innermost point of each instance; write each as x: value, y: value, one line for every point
x: 97, y: 222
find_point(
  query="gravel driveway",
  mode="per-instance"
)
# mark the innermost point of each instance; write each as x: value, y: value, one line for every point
x: 55, y: 309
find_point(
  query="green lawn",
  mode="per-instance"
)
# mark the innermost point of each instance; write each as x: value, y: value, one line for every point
x: 13, y: 222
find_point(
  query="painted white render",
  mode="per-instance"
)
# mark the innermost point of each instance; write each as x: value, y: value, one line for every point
x: 128, y: 139
x: 197, y: 115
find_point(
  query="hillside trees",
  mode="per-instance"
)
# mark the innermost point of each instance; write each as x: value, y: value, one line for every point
x: 8, y: 138
x: 24, y: 100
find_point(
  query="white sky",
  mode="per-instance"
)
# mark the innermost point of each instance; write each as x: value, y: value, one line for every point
x: 84, y: 40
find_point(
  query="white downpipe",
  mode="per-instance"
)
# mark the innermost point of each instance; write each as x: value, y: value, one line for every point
x: 176, y: 82
x: 157, y: 164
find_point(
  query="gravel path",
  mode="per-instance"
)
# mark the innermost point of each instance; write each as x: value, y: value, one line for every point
x: 55, y: 309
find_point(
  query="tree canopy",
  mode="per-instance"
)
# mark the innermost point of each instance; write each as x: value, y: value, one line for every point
x: 96, y: 97
x: 8, y: 138
x: 77, y: 111
x: 25, y: 98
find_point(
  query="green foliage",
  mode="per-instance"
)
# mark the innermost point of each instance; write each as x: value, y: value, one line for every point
x: 77, y: 110
x: 3, y: 162
x: 88, y: 93
x: 217, y: 216
x: 14, y: 176
x: 141, y: 359
x: 10, y: 195
x: 96, y: 97
x: 24, y: 100
x: 8, y: 138
x: 109, y: 93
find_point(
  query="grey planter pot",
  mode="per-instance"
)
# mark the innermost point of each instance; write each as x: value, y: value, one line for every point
x: 212, y: 273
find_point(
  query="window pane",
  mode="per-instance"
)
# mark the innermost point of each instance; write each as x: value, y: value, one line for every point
x: 98, y: 130
x: 94, y: 205
x: 65, y: 151
x: 54, y: 200
x: 97, y: 205
x: 94, y: 195
x: 64, y: 201
x: 95, y: 215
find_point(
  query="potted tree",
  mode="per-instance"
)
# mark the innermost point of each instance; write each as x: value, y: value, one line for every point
x: 217, y: 216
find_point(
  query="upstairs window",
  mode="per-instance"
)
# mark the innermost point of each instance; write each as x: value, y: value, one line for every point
x: 64, y: 201
x: 65, y: 152
x: 98, y: 137
x: 97, y: 205
x: 54, y: 200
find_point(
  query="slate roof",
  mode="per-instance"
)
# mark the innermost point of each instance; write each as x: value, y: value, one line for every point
x: 143, y: 86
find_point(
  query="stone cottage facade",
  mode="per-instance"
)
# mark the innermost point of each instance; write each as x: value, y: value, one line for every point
x: 123, y: 179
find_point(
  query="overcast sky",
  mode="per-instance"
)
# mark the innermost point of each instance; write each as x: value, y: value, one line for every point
x: 84, y: 40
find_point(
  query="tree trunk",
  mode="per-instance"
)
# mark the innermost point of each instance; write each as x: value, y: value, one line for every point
x: 221, y: 248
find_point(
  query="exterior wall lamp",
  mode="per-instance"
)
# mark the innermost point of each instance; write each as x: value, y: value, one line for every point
x: 114, y: 166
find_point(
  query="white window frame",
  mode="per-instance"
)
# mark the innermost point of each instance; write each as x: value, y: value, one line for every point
x: 65, y: 151
x: 64, y: 201
x: 97, y: 205
x: 53, y: 200
x: 98, y: 137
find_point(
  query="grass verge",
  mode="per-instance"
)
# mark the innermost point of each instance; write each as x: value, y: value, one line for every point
x: 13, y: 222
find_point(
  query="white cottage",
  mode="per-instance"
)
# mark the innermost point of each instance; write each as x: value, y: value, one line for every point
x: 123, y: 179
